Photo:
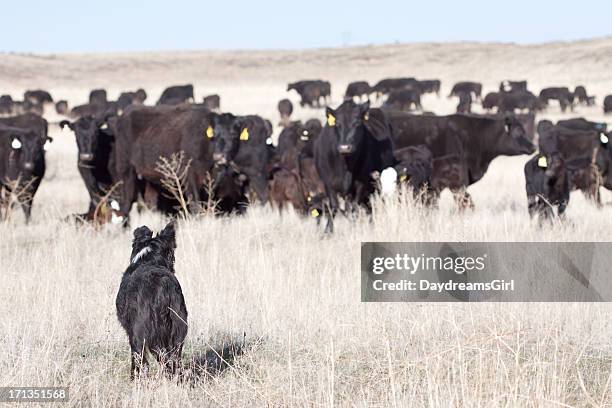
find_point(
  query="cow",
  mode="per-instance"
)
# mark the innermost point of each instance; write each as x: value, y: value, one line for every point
x: 521, y: 100
x: 581, y: 96
x: 95, y: 141
x: 357, y: 89
x: 240, y: 142
x: 491, y: 100
x: 6, y: 105
x: 22, y: 165
x: 465, y: 102
x: 29, y: 121
x: 98, y: 96
x: 577, y: 151
x: 311, y: 91
x: 299, y: 185
x: 547, y: 187
x: 512, y: 86
x: 414, y: 168
x: 429, y: 86
x: 404, y: 99
x: 387, y: 85
x: 607, y: 104
x: 37, y: 97
x: 131, y: 98
x: 93, y: 109
x: 561, y: 94
x: 61, y: 107
x: 143, y: 134
x: 177, y: 94
x: 285, y: 108
x: 475, y: 88
x: 212, y: 102
x: 24, y: 107
x: 477, y: 140
x: 355, y: 144
x: 150, y: 303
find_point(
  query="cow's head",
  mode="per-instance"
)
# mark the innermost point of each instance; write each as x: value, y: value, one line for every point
x: 515, y: 140
x: 29, y: 146
x: 307, y: 133
x: 347, y: 124
x: 220, y: 131
x: 87, y: 130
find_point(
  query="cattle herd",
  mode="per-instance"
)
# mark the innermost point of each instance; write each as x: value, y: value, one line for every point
x: 226, y: 162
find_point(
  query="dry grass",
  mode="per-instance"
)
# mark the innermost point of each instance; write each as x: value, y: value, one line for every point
x: 297, y: 292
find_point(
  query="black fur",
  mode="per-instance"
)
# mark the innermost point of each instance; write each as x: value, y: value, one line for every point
x: 150, y: 303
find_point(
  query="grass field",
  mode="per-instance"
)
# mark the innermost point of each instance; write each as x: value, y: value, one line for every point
x: 292, y: 290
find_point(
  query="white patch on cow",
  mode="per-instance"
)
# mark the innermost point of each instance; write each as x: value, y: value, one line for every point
x: 114, y: 205
x: 140, y: 254
x: 16, y: 144
x: 388, y: 181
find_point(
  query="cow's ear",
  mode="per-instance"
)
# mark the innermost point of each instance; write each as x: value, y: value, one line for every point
x: 330, y: 114
x: 64, y: 123
x: 168, y: 234
x: 141, y: 236
x: 377, y: 125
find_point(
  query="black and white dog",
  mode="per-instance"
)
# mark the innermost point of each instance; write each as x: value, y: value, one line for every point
x: 150, y: 303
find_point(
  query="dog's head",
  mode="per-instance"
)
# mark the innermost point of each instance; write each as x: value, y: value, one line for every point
x: 158, y: 250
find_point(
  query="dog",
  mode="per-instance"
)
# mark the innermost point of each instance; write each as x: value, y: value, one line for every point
x: 150, y: 303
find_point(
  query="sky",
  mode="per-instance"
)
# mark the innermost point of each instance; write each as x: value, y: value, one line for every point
x: 59, y: 26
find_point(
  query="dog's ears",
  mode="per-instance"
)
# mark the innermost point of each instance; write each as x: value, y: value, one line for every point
x: 141, y: 235
x: 168, y: 234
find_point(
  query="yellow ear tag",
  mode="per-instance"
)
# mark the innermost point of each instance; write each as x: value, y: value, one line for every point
x: 244, y: 135
x: 309, y: 198
x: 603, y: 138
x: 366, y: 117
x: 331, y: 120
x: 210, y: 132
x: 403, y: 177
x: 314, y: 213
x: 542, y: 162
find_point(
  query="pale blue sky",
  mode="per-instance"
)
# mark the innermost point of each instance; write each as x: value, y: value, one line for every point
x: 49, y: 26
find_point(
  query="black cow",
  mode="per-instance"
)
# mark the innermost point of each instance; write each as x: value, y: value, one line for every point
x: 491, y: 100
x: 414, y: 168
x: 61, y: 107
x: 510, y: 101
x: 404, y: 99
x: 388, y: 85
x: 38, y: 97
x: 477, y: 140
x: 93, y: 109
x: 95, y: 142
x: 512, y: 86
x: 150, y: 303
x: 561, y: 94
x: 465, y: 102
x: 581, y: 96
x: 6, y: 105
x: 175, y: 95
x: 607, y: 104
x: 98, y: 96
x: 577, y: 151
x: 285, y: 108
x: 131, y: 98
x: 355, y: 144
x: 357, y: 89
x: 144, y: 134
x: 429, y: 86
x: 241, y: 143
x: 22, y: 165
x: 311, y: 91
x: 546, y: 186
x: 212, y: 102
x: 475, y: 88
